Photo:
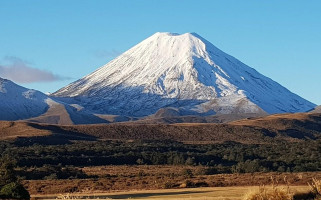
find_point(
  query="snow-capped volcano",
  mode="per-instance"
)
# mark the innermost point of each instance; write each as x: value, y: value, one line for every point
x: 185, y: 72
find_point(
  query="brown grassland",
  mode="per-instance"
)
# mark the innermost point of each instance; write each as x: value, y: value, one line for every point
x: 140, y: 177
x: 285, y: 127
x: 205, y: 193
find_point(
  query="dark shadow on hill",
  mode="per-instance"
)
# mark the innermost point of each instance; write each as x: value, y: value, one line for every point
x: 297, y: 134
x: 306, y: 129
x: 313, y: 124
x: 268, y: 133
x: 58, y: 136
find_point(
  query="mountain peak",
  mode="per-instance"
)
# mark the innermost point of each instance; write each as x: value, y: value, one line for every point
x: 188, y: 35
x: 2, y: 80
x: 183, y: 71
x: 187, y: 38
x: 174, y: 34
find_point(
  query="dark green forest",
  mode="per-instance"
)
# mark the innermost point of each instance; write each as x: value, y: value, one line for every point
x: 60, y: 161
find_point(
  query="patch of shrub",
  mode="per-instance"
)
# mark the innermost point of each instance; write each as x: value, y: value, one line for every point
x: 51, y: 172
x: 187, y: 173
x: 7, y: 172
x: 305, y: 196
x: 201, y: 184
x: 52, y: 176
x: 169, y: 185
x: 187, y: 184
x: 141, y: 173
x: 206, y: 171
x: 14, y: 191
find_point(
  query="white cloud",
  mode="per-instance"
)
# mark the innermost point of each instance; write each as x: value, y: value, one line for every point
x: 20, y: 71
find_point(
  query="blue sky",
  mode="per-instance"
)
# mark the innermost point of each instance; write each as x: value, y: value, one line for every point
x: 59, y: 41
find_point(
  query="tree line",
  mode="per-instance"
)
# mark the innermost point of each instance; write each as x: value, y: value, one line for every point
x: 229, y: 157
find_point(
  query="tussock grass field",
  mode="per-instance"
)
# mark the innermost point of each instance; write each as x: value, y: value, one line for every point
x: 208, y: 193
x: 141, y: 178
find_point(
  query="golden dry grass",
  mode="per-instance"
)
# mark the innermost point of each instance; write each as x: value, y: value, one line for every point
x: 273, y: 193
x: 276, y: 192
x: 11, y: 130
x: 275, y: 121
x: 315, y: 187
x: 213, y: 193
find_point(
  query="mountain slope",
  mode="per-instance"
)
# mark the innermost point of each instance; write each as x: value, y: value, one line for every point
x: 20, y: 103
x: 316, y: 110
x: 181, y: 71
x: 65, y: 114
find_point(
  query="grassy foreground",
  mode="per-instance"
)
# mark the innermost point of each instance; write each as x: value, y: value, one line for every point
x: 208, y: 193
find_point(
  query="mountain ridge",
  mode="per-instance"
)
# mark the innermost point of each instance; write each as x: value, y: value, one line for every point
x: 20, y: 103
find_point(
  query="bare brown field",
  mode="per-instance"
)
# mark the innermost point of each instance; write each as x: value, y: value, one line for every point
x: 130, y: 178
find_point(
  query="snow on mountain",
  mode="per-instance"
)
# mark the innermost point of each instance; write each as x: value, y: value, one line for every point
x: 180, y: 71
x: 20, y: 103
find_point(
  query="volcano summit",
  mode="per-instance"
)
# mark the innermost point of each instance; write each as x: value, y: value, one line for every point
x: 183, y: 73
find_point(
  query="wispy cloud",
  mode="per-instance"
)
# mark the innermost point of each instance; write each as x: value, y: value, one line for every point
x: 110, y: 54
x: 20, y: 71
x: 107, y: 53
